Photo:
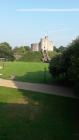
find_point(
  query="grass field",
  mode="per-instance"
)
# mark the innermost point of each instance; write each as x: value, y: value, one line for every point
x: 26, y: 115
x: 27, y: 72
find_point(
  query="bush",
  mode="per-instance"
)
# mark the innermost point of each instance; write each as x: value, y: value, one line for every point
x: 67, y: 65
x: 76, y: 87
x: 55, y: 66
x: 6, y: 51
x: 32, y: 57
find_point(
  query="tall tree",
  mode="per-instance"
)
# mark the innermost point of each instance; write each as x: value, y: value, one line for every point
x: 6, y: 51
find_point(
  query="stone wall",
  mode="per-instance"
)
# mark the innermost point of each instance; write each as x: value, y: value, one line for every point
x: 35, y: 47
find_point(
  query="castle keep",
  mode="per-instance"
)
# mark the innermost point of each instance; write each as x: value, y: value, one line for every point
x: 43, y: 45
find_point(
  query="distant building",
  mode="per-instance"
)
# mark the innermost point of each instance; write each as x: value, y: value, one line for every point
x: 43, y: 45
x: 35, y: 47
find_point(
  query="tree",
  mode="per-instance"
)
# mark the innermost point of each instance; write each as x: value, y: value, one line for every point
x: 67, y: 64
x: 55, y: 49
x: 31, y: 57
x: 55, y: 66
x: 6, y: 51
x: 61, y: 49
x: 21, y: 50
x: 27, y: 48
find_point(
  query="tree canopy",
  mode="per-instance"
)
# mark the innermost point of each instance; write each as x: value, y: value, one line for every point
x: 66, y: 64
x: 6, y: 51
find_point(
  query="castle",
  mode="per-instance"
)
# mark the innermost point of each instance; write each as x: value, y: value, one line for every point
x: 43, y: 45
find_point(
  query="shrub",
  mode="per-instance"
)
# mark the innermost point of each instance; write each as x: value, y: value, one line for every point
x: 67, y: 64
x: 32, y: 56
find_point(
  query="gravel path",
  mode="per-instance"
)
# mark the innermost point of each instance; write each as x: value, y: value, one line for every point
x: 49, y: 89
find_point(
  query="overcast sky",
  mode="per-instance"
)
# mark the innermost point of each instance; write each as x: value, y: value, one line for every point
x: 26, y: 21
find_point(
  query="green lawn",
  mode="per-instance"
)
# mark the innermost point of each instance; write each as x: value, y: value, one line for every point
x: 26, y: 71
x: 26, y: 115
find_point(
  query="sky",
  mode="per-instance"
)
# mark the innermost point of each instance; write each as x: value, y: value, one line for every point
x: 23, y: 22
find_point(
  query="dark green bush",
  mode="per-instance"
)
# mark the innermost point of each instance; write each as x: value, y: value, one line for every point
x: 67, y: 65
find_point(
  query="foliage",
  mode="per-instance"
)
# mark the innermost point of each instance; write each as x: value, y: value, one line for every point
x: 21, y: 50
x: 52, y: 54
x: 32, y: 57
x: 67, y: 64
x: 55, y: 49
x: 55, y: 66
x: 60, y: 49
x: 6, y: 51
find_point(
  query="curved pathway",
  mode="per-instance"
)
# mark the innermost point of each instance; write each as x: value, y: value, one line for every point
x: 49, y: 89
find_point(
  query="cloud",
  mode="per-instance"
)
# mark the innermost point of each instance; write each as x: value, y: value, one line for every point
x: 47, y: 10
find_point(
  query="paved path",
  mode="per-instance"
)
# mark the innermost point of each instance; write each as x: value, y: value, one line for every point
x: 49, y: 89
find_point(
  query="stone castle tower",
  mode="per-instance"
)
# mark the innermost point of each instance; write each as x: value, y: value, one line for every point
x: 43, y: 45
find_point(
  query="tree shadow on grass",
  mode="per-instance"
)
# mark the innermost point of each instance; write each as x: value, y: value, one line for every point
x: 43, y: 78
x: 35, y: 77
x: 19, y: 115
x: 34, y: 116
x: 17, y: 121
